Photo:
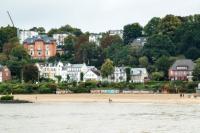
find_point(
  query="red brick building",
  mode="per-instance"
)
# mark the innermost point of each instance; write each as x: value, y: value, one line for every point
x: 40, y: 47
x: 5, y: 73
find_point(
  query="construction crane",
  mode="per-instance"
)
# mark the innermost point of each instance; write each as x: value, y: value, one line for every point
x: 10, y: 18
x: 22, y: 72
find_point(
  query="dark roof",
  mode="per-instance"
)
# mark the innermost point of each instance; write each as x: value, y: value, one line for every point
x: 96, y: 72
x: 44, y: 38
x: 1, y: 67
x: 183, y: 63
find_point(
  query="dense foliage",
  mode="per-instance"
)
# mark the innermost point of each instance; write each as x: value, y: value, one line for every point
x: 85, y: 87
x: 168, y: 38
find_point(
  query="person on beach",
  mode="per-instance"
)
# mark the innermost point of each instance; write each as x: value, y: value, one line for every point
x: 110, y: 100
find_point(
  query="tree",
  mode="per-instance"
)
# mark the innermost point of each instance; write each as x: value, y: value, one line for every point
x: 152, y: 26
x: 6, y: 33
x: 187, y: 39
x: 3, y: 58
x: 169, y: 25
x: 81, y: 76
x: 7, y: 48
x: 40, y: 30
x: 132, y: 31
x: 107, y: 68
x: 128, y: 74
x: 89, y: 53
x: 17, y: 59
x: 58, y: 78
x: 65, y: 30
x: 30, y: 73
x: 192, y: 53
x: 52, y: 31
x: 143, y: 61
x: 162, y: 64
x: 158, y: 45
x: 19, y: 53
x: 157, y: 76
x: 108, y: 40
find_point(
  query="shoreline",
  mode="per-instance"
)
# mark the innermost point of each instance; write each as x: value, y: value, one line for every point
x: 116, y: 98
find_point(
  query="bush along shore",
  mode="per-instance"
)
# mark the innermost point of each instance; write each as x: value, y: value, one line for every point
x: 10, y: 99
x: 86, y: 87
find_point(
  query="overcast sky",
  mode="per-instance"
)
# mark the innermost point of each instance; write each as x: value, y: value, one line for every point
x: 91, y: 15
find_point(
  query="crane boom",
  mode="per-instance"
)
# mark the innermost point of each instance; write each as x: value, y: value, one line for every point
x: 10, y: 18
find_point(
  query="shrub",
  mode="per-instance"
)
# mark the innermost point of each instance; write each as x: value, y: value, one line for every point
x: 6, y: 97
x: 47, y: 88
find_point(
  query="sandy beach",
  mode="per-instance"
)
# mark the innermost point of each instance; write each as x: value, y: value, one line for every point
x: 140, y: 98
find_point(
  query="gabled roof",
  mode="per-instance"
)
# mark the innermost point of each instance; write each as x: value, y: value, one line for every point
x: 183, y: 63
x: 94, y: 71
x: 2, y: 67
x: 44, y: 38
x: 138, y: 71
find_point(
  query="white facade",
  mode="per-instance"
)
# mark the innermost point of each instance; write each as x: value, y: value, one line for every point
x: 92, y: 75
x: 72, y: 72
x: 24, y: 34
x: 50, y: 70
x: 119, y: 75
x: 96, y: 38
x: 138, y: 75
x: 116, y: 32
x: 68, y: 72
x: 60, y: 38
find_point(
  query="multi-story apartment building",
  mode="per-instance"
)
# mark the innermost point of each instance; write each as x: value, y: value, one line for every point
x: 5, y: 73
x: 40, y: 47
x: 24, y: 34
x: 181, y: 70
x: 60, y: 38
x: 96, y: 38
x: 50, y: 70
x: 119, y: 75
x: 116, y: 32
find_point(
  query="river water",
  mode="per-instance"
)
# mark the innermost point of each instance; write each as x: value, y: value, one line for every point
x: 99, y: 118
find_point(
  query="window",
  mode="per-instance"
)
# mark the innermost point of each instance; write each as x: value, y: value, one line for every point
x: 39, y: 52
x: 47, y: 52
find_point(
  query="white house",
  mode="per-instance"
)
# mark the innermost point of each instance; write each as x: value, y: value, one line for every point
x: 92, y: 75
x: 50, y: 70
x: 96, y: 38
x: 138, y: 75
x: 60, y: 38
x: 72, y: 72
x: 119, y: 75
x: 24, y: 34
x: 116, y: 32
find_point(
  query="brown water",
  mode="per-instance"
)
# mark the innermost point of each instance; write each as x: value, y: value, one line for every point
x: 99, y: 118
